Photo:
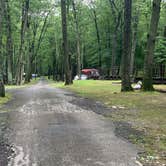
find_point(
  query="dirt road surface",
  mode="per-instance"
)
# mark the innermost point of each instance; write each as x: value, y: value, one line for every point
x: 45, y: 126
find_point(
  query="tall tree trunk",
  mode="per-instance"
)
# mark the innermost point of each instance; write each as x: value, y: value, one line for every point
x: 78, y: 40
x: 2, y: 88
x: 165, y: 31
x: 134, y: 44
x: 148, y: 66
x: 54, y: 64
x: 98, y: 39
x: 41, y: 36
x: 54, y: 61
x: 108, y: 46
x: 114, y: 50
x: 9, y: 45
x: 28, y: 69
x: 68, y: 73
x: 116, y: 18
x: 126, y: 83
x: 31, y: 53
x: 20, y: 70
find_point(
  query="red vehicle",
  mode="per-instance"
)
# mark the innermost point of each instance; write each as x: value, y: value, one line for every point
x: 91, y: 73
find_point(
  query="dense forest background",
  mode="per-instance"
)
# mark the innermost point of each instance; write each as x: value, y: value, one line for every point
x: 31, y: 39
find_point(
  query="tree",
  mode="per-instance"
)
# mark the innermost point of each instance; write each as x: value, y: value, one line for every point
x: 126, y: 83
x: 68, y: 72
x: 94, y: 38
x: 33, y: 53
x: 148, y: 65
x: 134, y: 40
x: 20, y: 68
x: 2, y: 88
x: 77, y: 39
x: 98, y: 37
x: 116, y: 12
x: 9, y: 44
x: 160, y: 51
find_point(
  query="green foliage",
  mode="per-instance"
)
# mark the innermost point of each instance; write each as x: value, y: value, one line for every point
x: 49, y: 54
x: 160, y: 53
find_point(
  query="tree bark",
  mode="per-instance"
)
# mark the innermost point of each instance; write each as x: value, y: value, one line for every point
x: 2, y: 88
x: 165, y: 31
x: 67, y: 68
x: 42, y: 33
x: 117, y: 18
x: 126, y: 83
x: 54, y: 64
x: 31, y: 52
x: 134, y: 44
x: 78, y: 39
x: 9, y: 44
x: 98, y: 39
x: 20, y: 68
x: 148, y: 65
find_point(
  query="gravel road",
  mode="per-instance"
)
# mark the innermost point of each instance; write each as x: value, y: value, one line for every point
x: 46, y: 126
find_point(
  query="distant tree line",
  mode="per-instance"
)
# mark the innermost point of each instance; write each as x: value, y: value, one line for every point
x: 60, y: 38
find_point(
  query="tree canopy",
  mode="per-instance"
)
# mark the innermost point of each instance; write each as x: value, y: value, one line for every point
x: 31, y: 39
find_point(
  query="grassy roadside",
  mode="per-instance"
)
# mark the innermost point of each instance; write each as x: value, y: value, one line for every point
x: 144, y: 111
x: 4, y: 100
x: 33, y: 81
x: 9, y: 96
x: 160, y: 87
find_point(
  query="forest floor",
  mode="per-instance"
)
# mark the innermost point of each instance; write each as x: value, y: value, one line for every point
x: 138, y: 116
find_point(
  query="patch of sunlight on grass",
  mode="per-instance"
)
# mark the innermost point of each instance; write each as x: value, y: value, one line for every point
x: 160, y: 87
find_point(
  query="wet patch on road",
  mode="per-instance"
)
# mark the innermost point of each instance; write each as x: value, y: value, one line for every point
x: 5, y: 147
x: 91, y: 105
x: 123, y: 130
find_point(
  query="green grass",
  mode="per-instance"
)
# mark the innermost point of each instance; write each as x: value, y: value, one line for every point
x: 146, y: 111
x: 4, y: 100
x: 160, y: 87
x: 33, y: 81
x: 93, y: 88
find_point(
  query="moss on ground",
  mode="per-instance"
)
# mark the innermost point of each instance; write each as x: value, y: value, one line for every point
x: 145, y: 111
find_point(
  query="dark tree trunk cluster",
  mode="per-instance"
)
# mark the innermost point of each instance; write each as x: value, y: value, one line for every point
x: 20, y: 64
x: 117, y: 13
x: 67, y: 58
x: 126, y: 83
x: 77, y: 39
x: 22, y: 50
x: 148, y: 67
x: 2, y: 88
